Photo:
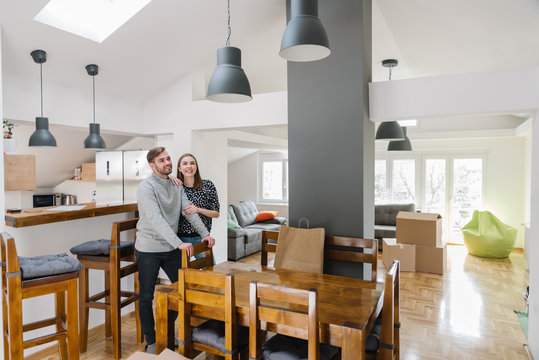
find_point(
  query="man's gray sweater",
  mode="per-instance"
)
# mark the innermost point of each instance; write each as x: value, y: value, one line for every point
x: 160, y: 204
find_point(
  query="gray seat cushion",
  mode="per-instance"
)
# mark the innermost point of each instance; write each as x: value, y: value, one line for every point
x: 252, y: 235
x: 230, y: 214
x: 264, y: 226
x: 385, y: 231
x: 246, y: 213
x: 281, y: 347
x: 212, y: 333
x: 373, y: 340
x: 47, y: 265
x: 100, y: 247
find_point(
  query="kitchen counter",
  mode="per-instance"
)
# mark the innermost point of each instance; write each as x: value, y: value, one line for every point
x: 39, y: 216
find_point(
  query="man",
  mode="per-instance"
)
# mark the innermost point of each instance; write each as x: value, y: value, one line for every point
x: 160, y: 204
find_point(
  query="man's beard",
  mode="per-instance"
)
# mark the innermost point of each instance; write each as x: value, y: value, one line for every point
x: 162, y: 171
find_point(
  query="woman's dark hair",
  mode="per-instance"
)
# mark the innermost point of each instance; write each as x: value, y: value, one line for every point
x: 198, y: 179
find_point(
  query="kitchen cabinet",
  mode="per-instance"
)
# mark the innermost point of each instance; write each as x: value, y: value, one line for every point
x: 88, y: 172
x: 19, y: 172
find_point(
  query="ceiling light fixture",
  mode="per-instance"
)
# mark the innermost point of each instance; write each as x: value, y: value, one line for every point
x: 400, y: 145
x: 228, y: 83
x: 94, y: 139
x: 305, y: 38
x: 42, y: 136
x: 389, y: 130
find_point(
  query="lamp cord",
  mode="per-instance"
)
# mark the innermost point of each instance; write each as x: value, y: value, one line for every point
x: 390, y: 68
x: 229, y: 29
x: 93, y: 88
x: 41, y: 80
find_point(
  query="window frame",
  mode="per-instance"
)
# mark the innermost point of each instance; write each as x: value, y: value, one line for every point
x: 272, y: 157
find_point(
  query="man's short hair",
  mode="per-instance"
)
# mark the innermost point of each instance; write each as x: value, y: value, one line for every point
x: 153, y: 153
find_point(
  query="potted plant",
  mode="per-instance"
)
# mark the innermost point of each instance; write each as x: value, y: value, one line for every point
x: 10, y: 143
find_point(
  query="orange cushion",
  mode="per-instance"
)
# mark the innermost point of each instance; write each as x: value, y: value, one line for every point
x: 266, y: 215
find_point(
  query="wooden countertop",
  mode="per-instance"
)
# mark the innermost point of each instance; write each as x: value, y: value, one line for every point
x: 39, y: 216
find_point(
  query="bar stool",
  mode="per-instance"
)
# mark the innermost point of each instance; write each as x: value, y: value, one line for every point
x: 31, y: 282
x: 106, y: 255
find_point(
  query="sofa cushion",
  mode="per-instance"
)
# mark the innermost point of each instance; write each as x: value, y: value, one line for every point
x: 235, y: 233
x: 246, y: 213
x: 252, y: 235
x: 232, y: 224
x: 230, y: 214
x: 387, y: 214
x: 385, y: 231
x: 266, y: 215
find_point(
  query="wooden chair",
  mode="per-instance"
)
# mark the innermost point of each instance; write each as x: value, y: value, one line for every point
x: 204, y: 262
x: 268, y: 247
x: 208, y: 289
x: 264, y: 299
x: 113, y: 294
x: 387, y: 328
x: 335, y: 250
x: 15, y: 289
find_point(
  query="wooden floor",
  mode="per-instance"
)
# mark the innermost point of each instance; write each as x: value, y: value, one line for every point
x: 465, y: 314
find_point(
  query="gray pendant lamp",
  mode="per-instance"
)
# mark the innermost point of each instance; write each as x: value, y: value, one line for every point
x: 400, y: 145
x: 42, y: 136
x: 389, y: 130
x: 229, y: 84
x: 305, y: 38
x: 94, y: 139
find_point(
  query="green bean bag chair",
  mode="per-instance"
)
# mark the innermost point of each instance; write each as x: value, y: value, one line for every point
x: 486, y: 236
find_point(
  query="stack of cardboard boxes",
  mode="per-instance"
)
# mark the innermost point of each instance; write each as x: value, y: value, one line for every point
x: 419, y: 245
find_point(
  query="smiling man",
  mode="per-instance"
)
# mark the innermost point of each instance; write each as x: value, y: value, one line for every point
x: 160, y: 204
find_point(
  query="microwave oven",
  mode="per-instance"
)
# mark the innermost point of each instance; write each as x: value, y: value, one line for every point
x: 42, y: 200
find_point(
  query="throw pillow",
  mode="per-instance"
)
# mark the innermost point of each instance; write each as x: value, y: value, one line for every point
x: 266, y: 215
x: 232, y: 225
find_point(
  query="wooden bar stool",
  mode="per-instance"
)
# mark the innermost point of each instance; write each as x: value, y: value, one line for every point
x: 16, y: 286
x: 106, y: 255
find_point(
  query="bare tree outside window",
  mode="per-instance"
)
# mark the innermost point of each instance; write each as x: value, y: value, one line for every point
x: 403, y: 190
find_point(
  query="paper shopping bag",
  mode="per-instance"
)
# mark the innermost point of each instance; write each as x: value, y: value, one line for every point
x: 300, y: 249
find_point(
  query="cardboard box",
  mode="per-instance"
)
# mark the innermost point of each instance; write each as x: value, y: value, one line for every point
x: 419, y: 229
x: 405, y: 253
x: 166, y: 354
x: 431, y: 259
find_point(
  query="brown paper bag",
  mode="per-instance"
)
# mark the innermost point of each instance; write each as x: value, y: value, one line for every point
x: 300, y: 249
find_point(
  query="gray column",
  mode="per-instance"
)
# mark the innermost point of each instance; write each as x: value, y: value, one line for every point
x: 330, y: 138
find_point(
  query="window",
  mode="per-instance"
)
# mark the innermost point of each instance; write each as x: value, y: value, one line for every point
x: 380, y: 181
x: 403, y: 181
x: 273, y: 174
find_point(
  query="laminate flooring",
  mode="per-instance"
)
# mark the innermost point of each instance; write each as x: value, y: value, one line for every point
x: 467, y: 313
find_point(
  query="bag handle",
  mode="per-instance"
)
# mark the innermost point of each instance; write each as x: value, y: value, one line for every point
x: 306, y: 221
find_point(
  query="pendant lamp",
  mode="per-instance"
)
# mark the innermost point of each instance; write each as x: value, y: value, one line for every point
x: 389, y: 130
x: 400, y: 145
x: 229, y: 84
x: 41, y: 136
x: 305, y: 38
x: 94, y: 139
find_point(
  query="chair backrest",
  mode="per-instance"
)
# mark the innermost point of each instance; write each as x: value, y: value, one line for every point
x: 389, y: 334
x: 338, y: 248
x: 208, y: 289
x: 10, y: 260
x: 268, y: 247
x: 264, y: 300
x: 116, y: 255
x: 204, y: 262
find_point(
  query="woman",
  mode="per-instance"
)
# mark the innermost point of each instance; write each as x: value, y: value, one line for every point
x: 201, y: 194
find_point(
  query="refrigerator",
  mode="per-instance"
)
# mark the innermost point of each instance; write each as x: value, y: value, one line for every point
x: 118, y: 174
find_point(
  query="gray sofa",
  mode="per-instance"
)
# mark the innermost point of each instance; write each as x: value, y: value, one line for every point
x: 385, y: 220
x: 248, y: 239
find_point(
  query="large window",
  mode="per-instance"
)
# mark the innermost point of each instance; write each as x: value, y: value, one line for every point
x: 273, y: 175
x: 448, y: 184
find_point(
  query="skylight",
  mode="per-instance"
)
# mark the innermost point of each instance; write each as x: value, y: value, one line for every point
x: 92, y: 19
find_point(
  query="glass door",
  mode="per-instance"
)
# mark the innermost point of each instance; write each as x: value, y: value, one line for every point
x: 467, y: 194
x: 435, y: 191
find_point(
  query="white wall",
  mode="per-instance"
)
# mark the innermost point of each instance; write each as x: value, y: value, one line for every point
x: 504, y: 172
x: 243, y: 184
x: 533, y: 324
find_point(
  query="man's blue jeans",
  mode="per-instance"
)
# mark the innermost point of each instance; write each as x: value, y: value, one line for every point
x: 148, y: 270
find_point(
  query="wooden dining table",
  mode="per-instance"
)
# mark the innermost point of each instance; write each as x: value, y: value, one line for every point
x: 347, y: 307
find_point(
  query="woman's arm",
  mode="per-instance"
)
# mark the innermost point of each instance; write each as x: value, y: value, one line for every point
x: 191, y: 209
